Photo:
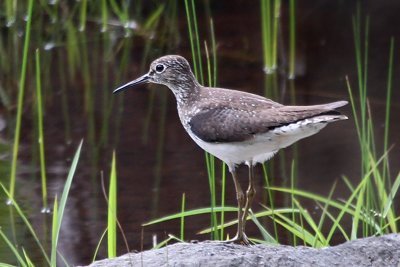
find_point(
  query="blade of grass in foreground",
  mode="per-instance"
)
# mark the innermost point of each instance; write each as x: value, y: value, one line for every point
x: 54, y: 234
x: 13, y: 249
x: 112, y: 212
x: 28, y: 260
x: 20, y: 99
x: 190, y: 213
x: 182, y: 237
x: 265, y: 213
x: 318, y: 235
x: 26, y: 221
x: 58, y: 220
x: 389, y: 203
x: 388, y: 105
x: 297, y: 229
x: 268, y: 238
x: 96, y: 251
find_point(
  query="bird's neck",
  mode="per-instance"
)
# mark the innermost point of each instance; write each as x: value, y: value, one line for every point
x: 186, y: 92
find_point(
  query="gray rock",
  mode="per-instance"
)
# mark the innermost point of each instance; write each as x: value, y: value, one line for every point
x: 372, y: 251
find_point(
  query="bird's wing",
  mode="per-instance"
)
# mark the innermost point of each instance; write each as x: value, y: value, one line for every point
x: 230, y: 124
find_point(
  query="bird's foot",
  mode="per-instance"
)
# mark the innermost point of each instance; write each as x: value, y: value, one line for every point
x: 241, y: 240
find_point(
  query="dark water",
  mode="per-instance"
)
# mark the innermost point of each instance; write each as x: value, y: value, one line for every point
x: 156, y: 160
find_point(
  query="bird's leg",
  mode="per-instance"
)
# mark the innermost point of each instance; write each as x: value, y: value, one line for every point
x: 250, y: 193
x: 240, y: 200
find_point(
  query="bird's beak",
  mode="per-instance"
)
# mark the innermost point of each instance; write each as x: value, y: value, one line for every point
x: 140, y: 80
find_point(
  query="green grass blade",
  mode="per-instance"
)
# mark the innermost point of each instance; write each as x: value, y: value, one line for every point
x: 190, y: 213
x: 388, y: 105
x: 210, y: 161
x: 267, y: 212
x: 196, y: 34
x: 292, y: 38
x: 7, y: 265
x: 96, y: 251
x: 63, y: 259
x: 348, y: 183
x: 10, y: 11
x: 384, y: 227
x: 153, y: 19
x: 83, y: 13
x: 325, y: 211
x: 296, y: 229
x: 214, y: 53
x: 268, y: 238
x: 383, y: 196
x: 389, y: 203
x: 270, y: 200
x: 354, y: 111
x: 304, y: 213
x: 308, y: 195
x: 191, y: 38
x: 266, y: 33
x: 63, y: 201
x: 104, y: 16
x: 121, y: 14
x: 332, y: 218
x: 20, y: 99
x: 40, y: 129
x: 182, y: 236
x: 223, y: 185
x: 54, y: 234
x: 292, y: 198
x: 274, y: 52
x: 13, y: 249
x: 26, y: 222
x: 357, y: 213
x: 112, y: 212
x: 346, y: 208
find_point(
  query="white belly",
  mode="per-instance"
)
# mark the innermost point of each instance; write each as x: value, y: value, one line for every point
x: 262, y: 146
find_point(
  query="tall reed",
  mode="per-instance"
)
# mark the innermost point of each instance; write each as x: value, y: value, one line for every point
x: 270, y: 15
x: 292, y: 38
x: 198, y: 71
x: 39, y: 107
x: 20, y: 105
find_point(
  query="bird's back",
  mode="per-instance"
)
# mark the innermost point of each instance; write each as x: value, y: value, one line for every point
x: 223, y: 115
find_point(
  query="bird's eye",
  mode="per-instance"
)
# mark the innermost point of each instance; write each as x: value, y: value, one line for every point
x: 160, y: 68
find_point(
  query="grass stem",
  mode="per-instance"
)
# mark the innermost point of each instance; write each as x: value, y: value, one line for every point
x: 40, y: 129
x: 112, y: 212
x: 292, y: 38
x: 20, y: 105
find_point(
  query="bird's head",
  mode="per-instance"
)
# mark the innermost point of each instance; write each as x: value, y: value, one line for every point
x: 172, y: 71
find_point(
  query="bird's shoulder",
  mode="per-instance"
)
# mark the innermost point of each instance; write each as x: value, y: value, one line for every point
x: 234, y: 99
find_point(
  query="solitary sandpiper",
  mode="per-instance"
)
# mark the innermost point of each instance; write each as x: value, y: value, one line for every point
x: 234, y: 126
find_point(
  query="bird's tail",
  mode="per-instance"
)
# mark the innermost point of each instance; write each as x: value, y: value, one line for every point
x: 334, y: 105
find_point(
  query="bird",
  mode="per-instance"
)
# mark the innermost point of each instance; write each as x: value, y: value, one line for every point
x: 235, y: 126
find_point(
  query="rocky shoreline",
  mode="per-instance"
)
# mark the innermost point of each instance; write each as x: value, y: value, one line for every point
x: 372, y: 251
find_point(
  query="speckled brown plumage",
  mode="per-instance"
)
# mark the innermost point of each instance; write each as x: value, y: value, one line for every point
x: 223, y: 115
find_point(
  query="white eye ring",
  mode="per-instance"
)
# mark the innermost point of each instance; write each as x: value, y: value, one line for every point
x: 159, y: 68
